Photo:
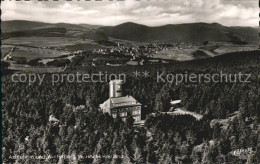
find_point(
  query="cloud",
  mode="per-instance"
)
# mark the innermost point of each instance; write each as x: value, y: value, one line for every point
x: 149, y: 11
x: 153, y: 13
x: 40, y: 12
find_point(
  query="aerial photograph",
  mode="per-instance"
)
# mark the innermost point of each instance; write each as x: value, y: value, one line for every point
x: 130, y: 82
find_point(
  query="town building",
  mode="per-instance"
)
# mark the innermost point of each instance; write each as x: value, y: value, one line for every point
x: 121, y: 106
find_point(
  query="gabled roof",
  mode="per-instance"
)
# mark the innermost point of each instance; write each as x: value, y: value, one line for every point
x: 108, y: 104
x: 116, y: 100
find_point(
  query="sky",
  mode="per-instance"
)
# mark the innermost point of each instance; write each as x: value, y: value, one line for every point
x: 147, y: 12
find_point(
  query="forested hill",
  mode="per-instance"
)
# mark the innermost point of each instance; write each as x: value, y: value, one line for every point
x: 193, y: 32
x: 20, y: 25
x: 227, y: 61
x: 230, y: 119
x: 22, y: 28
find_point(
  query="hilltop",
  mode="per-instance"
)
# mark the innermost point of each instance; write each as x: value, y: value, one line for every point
x: 192, y: 32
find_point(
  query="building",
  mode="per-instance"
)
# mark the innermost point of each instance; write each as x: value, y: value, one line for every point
x: 121, y: 106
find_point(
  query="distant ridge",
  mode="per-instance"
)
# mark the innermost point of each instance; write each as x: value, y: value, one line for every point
x: 22, y: 28
x: 19, y: 25
x: 189, y: 32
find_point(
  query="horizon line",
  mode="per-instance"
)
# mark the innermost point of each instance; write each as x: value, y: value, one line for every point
x: 127, y: 22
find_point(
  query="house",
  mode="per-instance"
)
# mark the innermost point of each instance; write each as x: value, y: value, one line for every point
x: 121, y: 106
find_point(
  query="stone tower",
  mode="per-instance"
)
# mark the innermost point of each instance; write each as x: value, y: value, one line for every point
x: 115, y: 88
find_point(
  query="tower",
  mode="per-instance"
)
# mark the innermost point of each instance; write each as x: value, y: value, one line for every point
x: 115, y: 88
x: 121, y: 106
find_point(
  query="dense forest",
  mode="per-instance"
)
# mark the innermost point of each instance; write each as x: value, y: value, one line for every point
x: 231, y: 117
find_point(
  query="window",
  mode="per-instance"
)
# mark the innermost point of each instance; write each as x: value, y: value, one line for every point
x: 137, y: 118
x: 137, y: 112
x: 114, y: 115
x: 123, y: 114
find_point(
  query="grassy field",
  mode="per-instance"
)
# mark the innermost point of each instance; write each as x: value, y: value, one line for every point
x: 175, y: 54
x: 5, y: 49
x: 85, y: 46
x: 37, y: 41
x: 212, y: 49
x: 39, y: 69
x: 234, y: 48
x: 45, y: 47
x: 32, y: 53
x: 52, y: 47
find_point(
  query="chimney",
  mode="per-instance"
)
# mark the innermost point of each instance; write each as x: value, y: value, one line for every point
x: 115, y: 88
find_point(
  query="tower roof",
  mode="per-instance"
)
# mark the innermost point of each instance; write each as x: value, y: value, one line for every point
x: 116, y: 81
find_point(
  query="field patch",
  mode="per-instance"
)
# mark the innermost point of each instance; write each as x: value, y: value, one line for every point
x: 5, y: 49
x: 87, y: 47
x: 37, y: 41
x: 31, y: 53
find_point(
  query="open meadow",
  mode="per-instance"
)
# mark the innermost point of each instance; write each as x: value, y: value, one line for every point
x: 39, y: 41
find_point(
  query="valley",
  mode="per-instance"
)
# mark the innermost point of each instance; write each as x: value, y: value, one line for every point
x: 42, y: 44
